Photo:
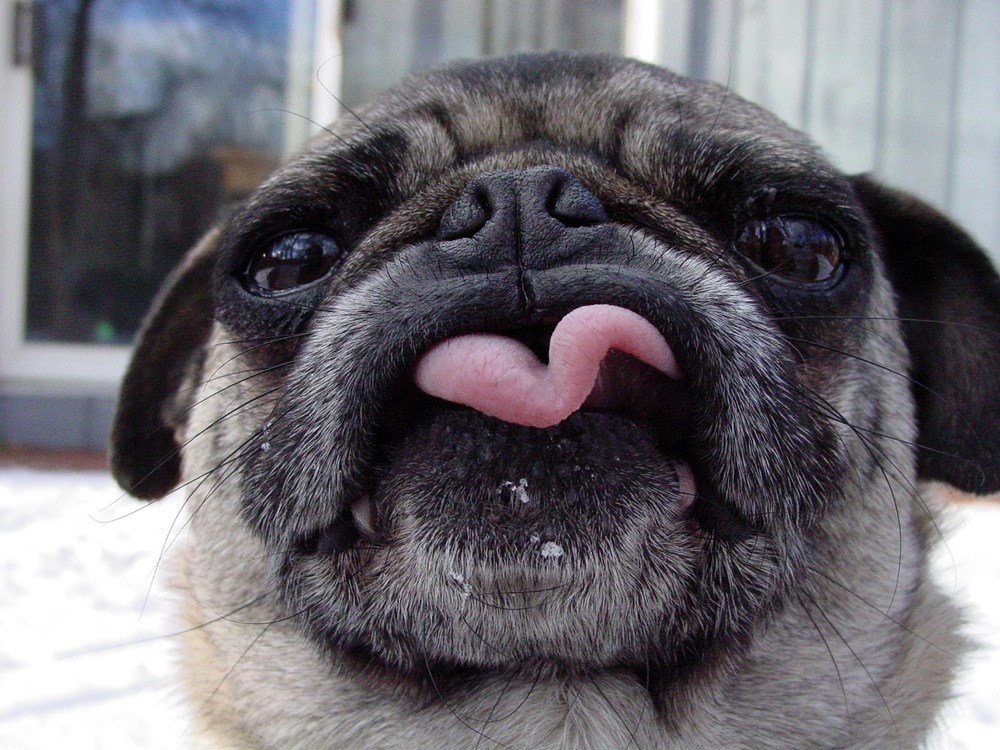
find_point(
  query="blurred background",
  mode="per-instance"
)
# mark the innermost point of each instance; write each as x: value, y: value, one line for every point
x: 128, y: 125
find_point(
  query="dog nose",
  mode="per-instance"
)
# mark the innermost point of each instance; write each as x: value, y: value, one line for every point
x: 530, y: 217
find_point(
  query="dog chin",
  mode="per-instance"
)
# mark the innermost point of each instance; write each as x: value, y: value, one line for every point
x: 493, y: 543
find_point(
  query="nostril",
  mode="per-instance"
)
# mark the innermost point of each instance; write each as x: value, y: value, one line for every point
x: 573, y: 204
x: 520, y: 202
x: 467, y: 215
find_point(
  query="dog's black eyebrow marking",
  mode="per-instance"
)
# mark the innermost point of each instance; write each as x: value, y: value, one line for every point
x: 348, y: 191
x: 345, y: 189
x: 614, y: 147
x: 364, y: 179
x: 437, y: 112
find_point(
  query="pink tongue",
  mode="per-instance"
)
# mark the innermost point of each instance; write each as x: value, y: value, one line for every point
x: 502, y: 377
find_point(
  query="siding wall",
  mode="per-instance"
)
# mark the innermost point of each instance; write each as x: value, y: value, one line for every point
x: 906, y: 89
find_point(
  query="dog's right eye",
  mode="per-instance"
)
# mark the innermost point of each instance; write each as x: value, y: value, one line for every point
x: 290, y: 262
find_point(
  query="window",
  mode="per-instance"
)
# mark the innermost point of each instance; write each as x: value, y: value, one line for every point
x: 149, y: 118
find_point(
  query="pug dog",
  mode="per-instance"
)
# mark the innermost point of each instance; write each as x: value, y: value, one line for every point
x: 559, y: 401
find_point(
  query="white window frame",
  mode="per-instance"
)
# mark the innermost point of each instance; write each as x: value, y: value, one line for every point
x: 29, y: 367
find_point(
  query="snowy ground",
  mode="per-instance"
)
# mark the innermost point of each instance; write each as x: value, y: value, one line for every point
x: 85, y: 622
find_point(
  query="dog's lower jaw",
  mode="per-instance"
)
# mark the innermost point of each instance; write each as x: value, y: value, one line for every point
x: 867, y: 693
x: 871, y: 698
x: 604, y: 710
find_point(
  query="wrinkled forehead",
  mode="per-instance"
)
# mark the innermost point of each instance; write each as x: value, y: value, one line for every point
x: 655, y: 149
x: 602, y: 118
x: 605, y: 105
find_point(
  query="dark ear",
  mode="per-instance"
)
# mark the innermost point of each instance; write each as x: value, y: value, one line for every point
x: 949, y: 300
x: 144, y: 453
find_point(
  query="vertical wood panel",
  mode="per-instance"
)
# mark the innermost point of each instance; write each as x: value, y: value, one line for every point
x: 974, y: 197
x: 675, y: 34
x: 379, y: 43
x: 658, y: 31
x: 769, y: 64
x: 721, y: 52
x: 462, y: 28
x: 909, y: 89
x: 919, y: 77
x: 842, y: 111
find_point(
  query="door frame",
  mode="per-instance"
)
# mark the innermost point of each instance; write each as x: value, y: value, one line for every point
x: 31, y: 367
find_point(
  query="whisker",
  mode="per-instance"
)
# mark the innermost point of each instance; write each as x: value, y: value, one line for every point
x: 902, y: 625
x: 531, y: 690
x: 633, y: 731
x: 229, y: 672
x: 836, y: 666
x: 857, y: 657
x: 454, y: 712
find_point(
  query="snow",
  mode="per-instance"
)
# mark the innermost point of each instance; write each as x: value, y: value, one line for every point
x: 85, y: 621
x: 968, y: 568
x: 464, y: 585
x: 552, y: 550
x: 519, y: 490
x: 86, y: 624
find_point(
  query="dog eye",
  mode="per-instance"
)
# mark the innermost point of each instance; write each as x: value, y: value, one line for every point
x: 291, y: 261
x: 795, y: 248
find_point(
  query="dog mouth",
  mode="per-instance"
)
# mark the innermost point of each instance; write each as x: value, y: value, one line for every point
x: 482, y: 490
x: 522, y: 482
x: 601, y: 379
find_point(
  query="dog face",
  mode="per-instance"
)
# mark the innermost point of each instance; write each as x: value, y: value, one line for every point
x: 415, y: 506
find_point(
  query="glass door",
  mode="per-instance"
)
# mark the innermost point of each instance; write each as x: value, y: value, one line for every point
x: 150, y: 116
x: 147, y: 118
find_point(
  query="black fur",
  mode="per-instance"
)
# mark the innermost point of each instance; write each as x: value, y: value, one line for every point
x: 949, y: 302
x: 145, y: 454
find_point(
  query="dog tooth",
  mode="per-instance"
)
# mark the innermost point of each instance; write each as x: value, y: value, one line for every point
x: 361, y: 512
x: 685, y: 481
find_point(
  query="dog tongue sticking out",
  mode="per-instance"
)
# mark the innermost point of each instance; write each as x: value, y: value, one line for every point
x: 502, y: 377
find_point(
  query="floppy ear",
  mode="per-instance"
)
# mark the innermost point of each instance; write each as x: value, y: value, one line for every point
x: 949, y: 302
x: 144, y: 452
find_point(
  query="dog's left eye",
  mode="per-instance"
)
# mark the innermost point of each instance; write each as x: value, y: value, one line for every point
x: 290, y: 262
x: 795, y: 248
